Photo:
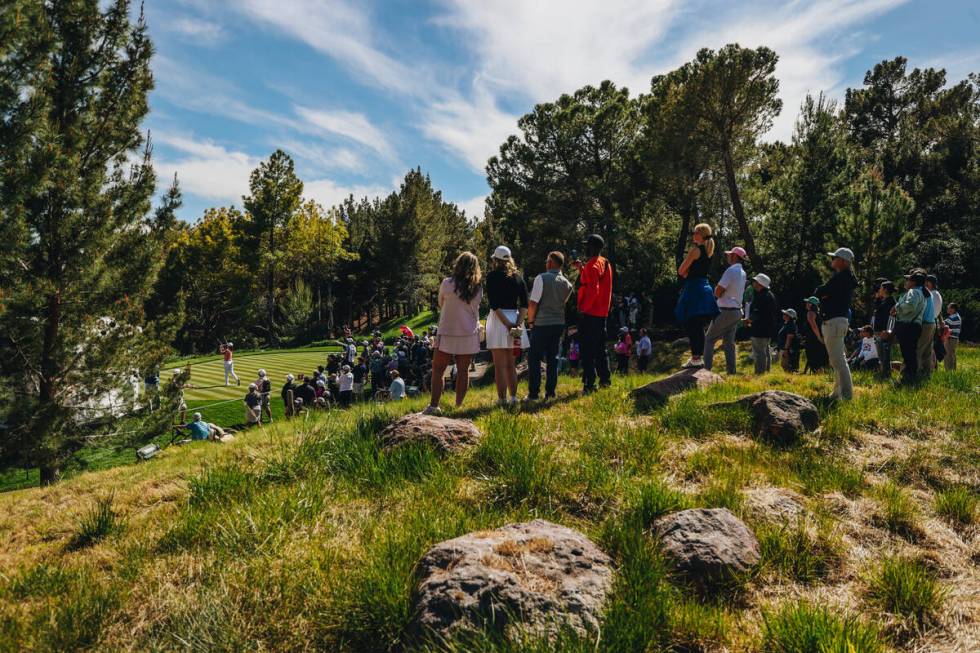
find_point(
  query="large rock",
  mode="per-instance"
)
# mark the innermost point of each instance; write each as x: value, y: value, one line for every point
x: 781, y: 416
x: 708, y: 544
x: 537, y: 577
x: 658, y: 392
x: 444, y: 433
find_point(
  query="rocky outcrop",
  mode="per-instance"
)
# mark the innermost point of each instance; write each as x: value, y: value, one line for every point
x: 708, y: 545
x: 537, y: 577
x: 444, y: 433
x: 658, y: 392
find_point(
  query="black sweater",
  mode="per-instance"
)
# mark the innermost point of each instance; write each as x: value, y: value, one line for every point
x: 505, y: 292
x: 763, y: 312
x: 835, y: 295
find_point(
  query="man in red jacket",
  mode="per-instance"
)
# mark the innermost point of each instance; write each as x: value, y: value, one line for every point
x: 594, y: 298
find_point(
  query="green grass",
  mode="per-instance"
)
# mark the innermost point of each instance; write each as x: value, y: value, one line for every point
x: 908, y: 589
x: 98, y: 523
x: 305, y: 534
x: 896, y: 511
x: 805, y: 628
x: 958, y: 505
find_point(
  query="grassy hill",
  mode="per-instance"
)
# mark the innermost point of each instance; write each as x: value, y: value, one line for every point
x: 303, y: 535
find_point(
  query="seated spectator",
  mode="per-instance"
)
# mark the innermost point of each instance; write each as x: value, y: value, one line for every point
x: 396, y: 391
x: 253, y: 405
x: 865, y: 357
x: 201, y: 430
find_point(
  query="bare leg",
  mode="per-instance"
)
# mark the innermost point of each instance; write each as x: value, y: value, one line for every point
x: 440, y: 361
x: 512, y: 374
x: 500, y: 357
x: 462, y: 378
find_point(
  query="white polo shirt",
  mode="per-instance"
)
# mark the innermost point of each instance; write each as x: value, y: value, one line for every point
x: 733, y: 281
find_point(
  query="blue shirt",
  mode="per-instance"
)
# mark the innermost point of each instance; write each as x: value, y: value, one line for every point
x: 397, y: 388
x: 930, y: 315
x: 199, y: 430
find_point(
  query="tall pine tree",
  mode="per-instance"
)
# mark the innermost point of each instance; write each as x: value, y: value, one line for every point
x: 80, y: 245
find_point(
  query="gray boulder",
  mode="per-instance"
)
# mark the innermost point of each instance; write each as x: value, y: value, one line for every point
x: 536, y: 577
x: 445, y: 434
x: 708, y: 544
x: 658, y: 392
x: 781, y: 416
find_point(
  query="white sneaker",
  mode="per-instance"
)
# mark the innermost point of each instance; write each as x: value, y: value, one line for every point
x: 432, y: 410
x: 691, y: 363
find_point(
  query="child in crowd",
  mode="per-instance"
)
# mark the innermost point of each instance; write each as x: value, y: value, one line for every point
x: 573, y: 355
x: 622, y: 349
x: 865, y: 357
x: 788, y: 339
x: 955, y: 324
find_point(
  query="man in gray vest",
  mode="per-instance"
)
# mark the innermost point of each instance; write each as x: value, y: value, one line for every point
x: 546, y: 317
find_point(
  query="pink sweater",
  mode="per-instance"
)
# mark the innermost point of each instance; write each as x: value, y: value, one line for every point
x: 456, y: 317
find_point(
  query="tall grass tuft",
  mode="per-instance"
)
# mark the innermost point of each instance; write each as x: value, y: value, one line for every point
x: 98, y: 523
x: 897, y: 511
x: 805, y: 628
x: 906, y: 587
x: 654, y: 500
x: 958, y: 505
x: 792, y: 551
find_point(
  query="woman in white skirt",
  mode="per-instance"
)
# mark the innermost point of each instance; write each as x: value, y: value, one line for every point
x: 459, y: 328
x: 507, y: 296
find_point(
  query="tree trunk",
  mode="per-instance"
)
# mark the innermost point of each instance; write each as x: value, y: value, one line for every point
x: 271, y: 299
x: 330, y: 315
x: 736, y: 199
x: 689, y: 209
x: 50, y: 474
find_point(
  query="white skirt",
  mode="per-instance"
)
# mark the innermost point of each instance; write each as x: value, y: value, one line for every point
x: 498, y: 335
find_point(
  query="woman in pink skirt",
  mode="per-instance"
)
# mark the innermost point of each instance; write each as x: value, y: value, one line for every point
x: 459, y: 328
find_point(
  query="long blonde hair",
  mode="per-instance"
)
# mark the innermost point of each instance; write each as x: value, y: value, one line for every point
x: 466, y: 275
x: 709, y: 240
x: 507, y: 265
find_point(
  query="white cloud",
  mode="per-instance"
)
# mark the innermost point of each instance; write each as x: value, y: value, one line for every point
x: 339, y: 29
x: 328, y: 158
x: 473, y: 129
x: 957, y: 64
x: 473, y: 207
x: 329, y: 193
x: 350, y: 125
x: 205, y: 169
x: 201, y: 31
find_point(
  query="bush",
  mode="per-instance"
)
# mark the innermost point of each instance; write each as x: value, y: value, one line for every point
x: 804, y: 628
x: 908, y: 589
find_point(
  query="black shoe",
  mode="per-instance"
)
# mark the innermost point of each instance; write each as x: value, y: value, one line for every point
x: 586, y: 391
x: 605, y: 384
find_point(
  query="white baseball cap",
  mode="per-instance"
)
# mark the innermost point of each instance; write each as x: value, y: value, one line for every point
x: 762, y: 279
x: 290, y: 377
x: 502, y: 252
x: 842, y: 252
x: 790, y: 312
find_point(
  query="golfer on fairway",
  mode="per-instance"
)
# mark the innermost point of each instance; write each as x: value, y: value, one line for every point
x: 227, y: 350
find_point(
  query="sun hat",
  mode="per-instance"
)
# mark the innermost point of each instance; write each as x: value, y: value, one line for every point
x: 812, y: 300
x: 842, y: 252
x: 762, y: 279
x: 790, y: 312
x: 502, y: 253
x: 738, y: 251
x: 346, y: 368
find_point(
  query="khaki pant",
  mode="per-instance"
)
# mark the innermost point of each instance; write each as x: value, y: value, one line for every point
x: 834, y: 331
x: 761, y: 355
x: 950, y: 361
x: 927, y: 362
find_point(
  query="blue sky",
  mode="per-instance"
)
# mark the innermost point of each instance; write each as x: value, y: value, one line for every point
x: 359, y: 91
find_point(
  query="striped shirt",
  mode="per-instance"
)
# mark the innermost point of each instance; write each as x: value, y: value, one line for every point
x: 955, y: 323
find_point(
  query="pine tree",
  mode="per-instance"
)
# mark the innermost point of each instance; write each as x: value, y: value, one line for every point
x: 276, y: 193
x: 80, y: 247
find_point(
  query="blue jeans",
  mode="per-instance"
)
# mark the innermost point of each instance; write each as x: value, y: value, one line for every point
x: 544, y: 345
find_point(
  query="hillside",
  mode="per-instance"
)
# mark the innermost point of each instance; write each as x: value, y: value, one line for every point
x: 304, y: 535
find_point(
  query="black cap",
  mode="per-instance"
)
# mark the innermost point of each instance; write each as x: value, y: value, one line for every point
x: 595, y: 240
x: 931, y: 278
x: 917, y: 275
x: 888, y: 285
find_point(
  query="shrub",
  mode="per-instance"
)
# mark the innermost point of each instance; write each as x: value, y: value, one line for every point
x: 908, y: 589
x: 958, y: 505
x: 804, y: 628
